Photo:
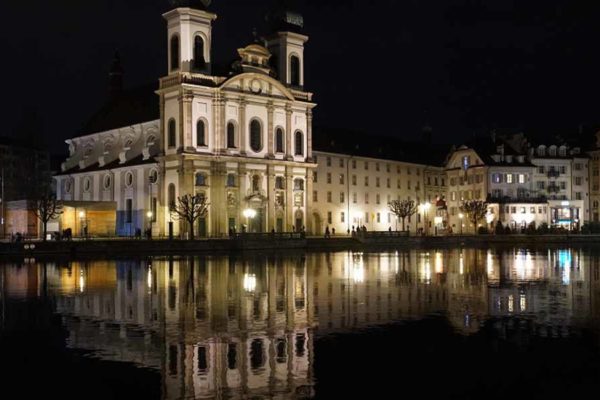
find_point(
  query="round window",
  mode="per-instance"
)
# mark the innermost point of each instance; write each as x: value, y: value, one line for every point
x: 153, y: 176
x: 129, y: 179
x: 107, y: 181
x: 68, y: 186
x: 87, y: 184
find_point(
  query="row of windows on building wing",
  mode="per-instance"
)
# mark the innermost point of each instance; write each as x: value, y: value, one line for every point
x: 199, y: 61
x: 256, y: 137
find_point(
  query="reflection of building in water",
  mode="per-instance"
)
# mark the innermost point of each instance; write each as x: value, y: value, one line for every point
x: 219, y: 327
x: 551, y: 288
x: 214, y: 327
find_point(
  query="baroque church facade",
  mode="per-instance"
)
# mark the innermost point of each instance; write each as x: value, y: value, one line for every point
x: 242, y: 140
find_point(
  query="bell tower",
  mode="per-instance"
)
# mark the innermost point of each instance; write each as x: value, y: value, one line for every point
x: 286, y: 43
x: 189, y: 28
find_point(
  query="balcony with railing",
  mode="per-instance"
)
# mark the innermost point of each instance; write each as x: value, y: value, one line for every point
x: 553, y: 173
x: 553, y: 188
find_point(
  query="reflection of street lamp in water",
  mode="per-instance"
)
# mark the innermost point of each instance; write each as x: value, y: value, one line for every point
x: 249, y: 213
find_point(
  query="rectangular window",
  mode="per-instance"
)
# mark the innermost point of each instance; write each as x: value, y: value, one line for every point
x: 563, y: 185
x: 342, y: 197
x: 408, y: 185
x: 341, y: 163
x: 353, y: 164
x: 342, y: 217
x: 541, y: 185
x: 532, y: 210
x: 388, y: 168
x: 377, y: 182
x: 366, y: 198
x: 453, y: 196
x: 329, y: 177
x: 329, y: 217
x: 521, y: 178
x: 578, y: 180
x: 562, y: 169
x: 354, y: 197
x: 388, y: 183
x: 354, y: 180
x: 315, y: 196
x: 377, y: 199
x: 398, y: 183
x: 129, y: 211
x: 541, y: 170
x: 378, y: 218
x: 366, y: 181
x: 377, y: 167
x: 329, y: 197
x: 315, y: 176
x: 577, y: 167
x: 539, y: 210
x: 366, y: 165
x: 523, y: 210
x: 367, y: 217
x: 329, y: 161
x: 408, y: 170
x: 342, y: 179
x: 509, y: 178
x: 513, y: 210
x: 577, y: 195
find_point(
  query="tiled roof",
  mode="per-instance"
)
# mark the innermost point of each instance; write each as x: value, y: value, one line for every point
x: 139, y: 160
x: 127, y: 108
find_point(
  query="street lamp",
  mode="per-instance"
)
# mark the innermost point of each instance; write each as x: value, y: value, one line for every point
x: 149, y: 214
x: 461, y: 216
x: 249, y: 213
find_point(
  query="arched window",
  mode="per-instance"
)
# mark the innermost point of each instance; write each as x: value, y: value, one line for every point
x: 199, y: 61
x: 175, y: 52
x: 231, y: 180
x: 255, y: 136
x: 172, y: 133
x: 279, y: 140
x: 200, y: 179
x: 153, y: 176
x: 256, y: 183
x: 298, y: 184
x: 299, y: 143
x: 87, y: 185
x: 295, y: 71
x: 171, y: 196
x: 200, y: 133
x: 230, y: 135
x: 279, y: 182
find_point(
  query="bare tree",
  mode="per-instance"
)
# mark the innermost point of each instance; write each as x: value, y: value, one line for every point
x: 475, y: 211
x: 46, y: 209
x: 189, y: 208
x: 403, y: 209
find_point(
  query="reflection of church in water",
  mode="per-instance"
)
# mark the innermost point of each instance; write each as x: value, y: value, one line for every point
x: 219, y: 327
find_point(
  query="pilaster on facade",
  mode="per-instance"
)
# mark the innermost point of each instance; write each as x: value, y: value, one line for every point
x: 289, y: 155
x: 243, y: 130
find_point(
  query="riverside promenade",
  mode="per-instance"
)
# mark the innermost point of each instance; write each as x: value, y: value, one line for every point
x: 280, y: 242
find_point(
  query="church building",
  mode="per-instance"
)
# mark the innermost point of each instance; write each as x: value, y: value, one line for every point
x: 242, y: 139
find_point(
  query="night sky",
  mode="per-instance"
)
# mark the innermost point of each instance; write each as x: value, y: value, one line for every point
x: 385, y: 67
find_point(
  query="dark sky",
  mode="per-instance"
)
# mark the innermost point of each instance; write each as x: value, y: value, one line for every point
x: 386, y: 67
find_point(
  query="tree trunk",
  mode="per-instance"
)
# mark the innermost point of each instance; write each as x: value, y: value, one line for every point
x: 403, y: 226
x: 191, y: 230
x: 45, y: 230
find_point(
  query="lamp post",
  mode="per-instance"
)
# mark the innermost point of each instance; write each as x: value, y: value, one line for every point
x: 249, y: 213
x: 460, y: 217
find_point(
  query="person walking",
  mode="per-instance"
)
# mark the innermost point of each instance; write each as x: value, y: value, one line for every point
x: 332, y: 231
x: 327, y: 232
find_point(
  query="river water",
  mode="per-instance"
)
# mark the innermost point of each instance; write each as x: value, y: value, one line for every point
x: 462, y: 323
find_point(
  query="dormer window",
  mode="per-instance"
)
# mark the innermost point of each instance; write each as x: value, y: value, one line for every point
x: 562, y: 151
x: 541, y: 151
